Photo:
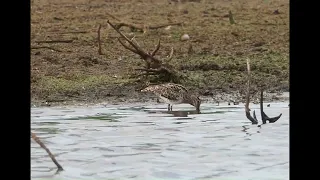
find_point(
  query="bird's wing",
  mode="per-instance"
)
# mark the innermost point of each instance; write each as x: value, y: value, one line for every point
x: 178, y: 87
x: 172, y: 91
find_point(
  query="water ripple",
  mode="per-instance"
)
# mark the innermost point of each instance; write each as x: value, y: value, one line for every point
x: 148, y: 142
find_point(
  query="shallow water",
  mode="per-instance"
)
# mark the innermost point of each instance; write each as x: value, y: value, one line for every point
x: 146, y: 142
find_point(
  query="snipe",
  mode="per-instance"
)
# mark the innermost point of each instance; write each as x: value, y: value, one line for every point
x: 172, y: 93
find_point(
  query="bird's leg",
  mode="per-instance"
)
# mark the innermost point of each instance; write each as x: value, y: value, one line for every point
x: 171, y: 108
x: 168, y: 107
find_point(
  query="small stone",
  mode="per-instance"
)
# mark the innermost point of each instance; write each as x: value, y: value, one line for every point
x: 167, y: 28
x: 185, y: 37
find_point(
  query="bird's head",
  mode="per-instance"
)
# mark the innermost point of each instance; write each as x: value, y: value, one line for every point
x: 195, y: 101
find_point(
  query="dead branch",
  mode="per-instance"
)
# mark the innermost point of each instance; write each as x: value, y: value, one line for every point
x: 127, y: 47
x: 113, y: 16
x: 170, y: 55
x: 46, y: 47
x: 125, y: 37
x: 56, y: 41
x: 99, y: 41
x: 264, y: 117
x: 36, y: 139
x: 153, y: 65
x: 134, y: 40
x: 149, y: 59
x: 156, y: 49
x: 253, y: 120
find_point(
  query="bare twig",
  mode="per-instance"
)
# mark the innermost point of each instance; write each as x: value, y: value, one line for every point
x: 99, y: 41
x: 153, y: 65
x: 56, y: 41
x: 46, y: 47
x: 35, y: 138
x: 133, y: 39
x: 252, y: 119
x: 113, y: 16
x: 137, y: 50
x: 124, y: 36
x: 127, y: 47
x: 171, y: 55
x: 156, y: 49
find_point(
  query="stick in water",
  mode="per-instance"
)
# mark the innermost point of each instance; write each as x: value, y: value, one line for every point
x: 35, y: 138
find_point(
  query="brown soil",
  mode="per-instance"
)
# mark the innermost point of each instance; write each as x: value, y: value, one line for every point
x: 213, y: 59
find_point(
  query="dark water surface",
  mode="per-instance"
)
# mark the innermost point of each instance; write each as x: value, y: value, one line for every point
x: 146, y: 142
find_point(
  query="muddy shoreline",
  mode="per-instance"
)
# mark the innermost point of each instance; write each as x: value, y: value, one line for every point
x: 66, y: 67
x: 138, y: 97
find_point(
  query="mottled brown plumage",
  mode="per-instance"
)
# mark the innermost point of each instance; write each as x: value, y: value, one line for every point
x: 172, y: 93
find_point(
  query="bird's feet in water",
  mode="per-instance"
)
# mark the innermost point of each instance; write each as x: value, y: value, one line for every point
x: 234, y: 103
x: 169, y: 107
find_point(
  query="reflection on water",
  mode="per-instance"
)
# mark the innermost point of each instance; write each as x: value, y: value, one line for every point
x: 148, y: 142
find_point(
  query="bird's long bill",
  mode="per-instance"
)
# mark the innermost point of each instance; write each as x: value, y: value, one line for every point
x: 198, y: 108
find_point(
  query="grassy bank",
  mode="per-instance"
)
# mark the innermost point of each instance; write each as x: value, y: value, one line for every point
x: 213, y: 59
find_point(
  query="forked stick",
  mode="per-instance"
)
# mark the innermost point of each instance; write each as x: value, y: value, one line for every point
x: 153, y: 65
x: 170, y: 55
x: 135, y: 48
x: 264, y: 117
x: 36, y: 139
